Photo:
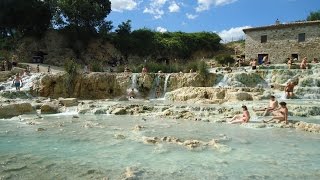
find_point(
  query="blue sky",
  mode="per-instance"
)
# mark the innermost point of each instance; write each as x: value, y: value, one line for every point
x: 225, y: 17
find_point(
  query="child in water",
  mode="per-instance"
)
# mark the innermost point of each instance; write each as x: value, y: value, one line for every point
x: 17, y: 82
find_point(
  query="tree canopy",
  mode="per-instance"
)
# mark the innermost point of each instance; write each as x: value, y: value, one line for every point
x: 314, y: 16
x: 84, y: 13
x: 20, y: 17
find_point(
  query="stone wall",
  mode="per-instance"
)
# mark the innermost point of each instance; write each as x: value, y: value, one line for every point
x: 282, y: 41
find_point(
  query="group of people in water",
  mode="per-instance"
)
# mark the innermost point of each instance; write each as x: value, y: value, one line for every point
x: 280, y: 113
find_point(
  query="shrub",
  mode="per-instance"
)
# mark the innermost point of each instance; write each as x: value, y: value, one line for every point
x: 96, y: 67
x: 203, y: 70
x: 71, y: 67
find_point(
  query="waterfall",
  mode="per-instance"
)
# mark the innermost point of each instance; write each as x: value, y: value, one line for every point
x: 133, y: 91
x: 224, y: 81
x: 166, y: 83
x: 27, y: 82
x: 134, y: 80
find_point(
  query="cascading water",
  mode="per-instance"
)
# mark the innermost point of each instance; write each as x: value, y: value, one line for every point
x: 155, y: 88
x: 27, y: 82
x: 224, y: 81
x: 133, y: 91
x: 166, y: 84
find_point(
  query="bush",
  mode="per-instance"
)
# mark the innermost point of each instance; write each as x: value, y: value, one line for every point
x: 203, y: 70
x: 96, y: 67
x: 224, y: 59
x: 71, y: 67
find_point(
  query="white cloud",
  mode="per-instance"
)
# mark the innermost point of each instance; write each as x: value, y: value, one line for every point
x: 206, y: 4
x: 121, y: 5
x: 155, y: 8
x: 174, y: 7
x: 232, y: 34
x: 161, y: 29
x: 191, y: 16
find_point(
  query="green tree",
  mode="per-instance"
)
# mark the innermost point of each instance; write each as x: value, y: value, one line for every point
x: 314, y: 16
x: 124, y: 28
x: 84, y: 13
x: 21, y: 17
x: 123, y: 40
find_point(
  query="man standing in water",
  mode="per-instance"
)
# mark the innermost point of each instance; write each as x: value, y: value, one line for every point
x: 280, y: 115
x: 289, y: 89
x: 17, y: 82
x: 273, y: 104
x: 244, y: 118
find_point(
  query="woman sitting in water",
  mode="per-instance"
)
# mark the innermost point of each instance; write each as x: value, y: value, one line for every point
x: 280, y: 115
x: 244, y: 118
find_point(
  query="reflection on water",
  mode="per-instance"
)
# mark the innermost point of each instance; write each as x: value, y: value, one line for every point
x: 107, y: 146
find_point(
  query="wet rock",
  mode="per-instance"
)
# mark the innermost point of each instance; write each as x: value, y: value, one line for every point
x: 100, y: 111
x: 185, y: 115
x: 49, y: 108
x: 171, y: 139
x: 261, y: 126
x: 67, y: 102
x: 119, y: 136
x: 240, y: 96
x: 41, y: 129
x: 150, y: 140
x: 192, y: 144
x: 138, y: 128
x: 75, y: 116
x: 119, y: 111
x: 309, y: 127
x: 15, y: 109
x: 15, y: 94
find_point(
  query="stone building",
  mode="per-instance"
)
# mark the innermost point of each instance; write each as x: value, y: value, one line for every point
x: 280, y: 41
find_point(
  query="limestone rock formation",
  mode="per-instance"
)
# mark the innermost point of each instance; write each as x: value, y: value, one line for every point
x: 49, y: 108
x: 15, y: 109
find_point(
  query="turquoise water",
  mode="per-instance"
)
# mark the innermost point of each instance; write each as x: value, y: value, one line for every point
x: 87, y: 148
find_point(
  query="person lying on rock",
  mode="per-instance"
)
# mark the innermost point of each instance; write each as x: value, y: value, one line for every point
x: 244, y: 118
x: 280, y: 115
x: 273, y: 104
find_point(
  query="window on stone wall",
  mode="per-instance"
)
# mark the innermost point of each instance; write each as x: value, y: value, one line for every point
x: 264, y: 39
x: 301, y: 37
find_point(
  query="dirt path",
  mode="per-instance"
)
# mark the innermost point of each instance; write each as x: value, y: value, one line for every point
x: 44, y: 67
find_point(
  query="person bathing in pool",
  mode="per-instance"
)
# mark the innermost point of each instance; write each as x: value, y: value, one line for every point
x: 273, y: 104
x: 241, y: 118
x: 280, y: 115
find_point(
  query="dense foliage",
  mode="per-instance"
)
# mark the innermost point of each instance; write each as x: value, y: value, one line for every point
x: 314, y: 16
x: 21, y: 17
x: 82, y: 20
x: 169, y: 45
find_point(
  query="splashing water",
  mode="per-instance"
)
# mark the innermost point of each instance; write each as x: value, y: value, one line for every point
x: 166, y: 84
x: 28, y: 82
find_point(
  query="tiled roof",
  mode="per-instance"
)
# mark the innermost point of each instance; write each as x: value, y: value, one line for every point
x: 280, y: 26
